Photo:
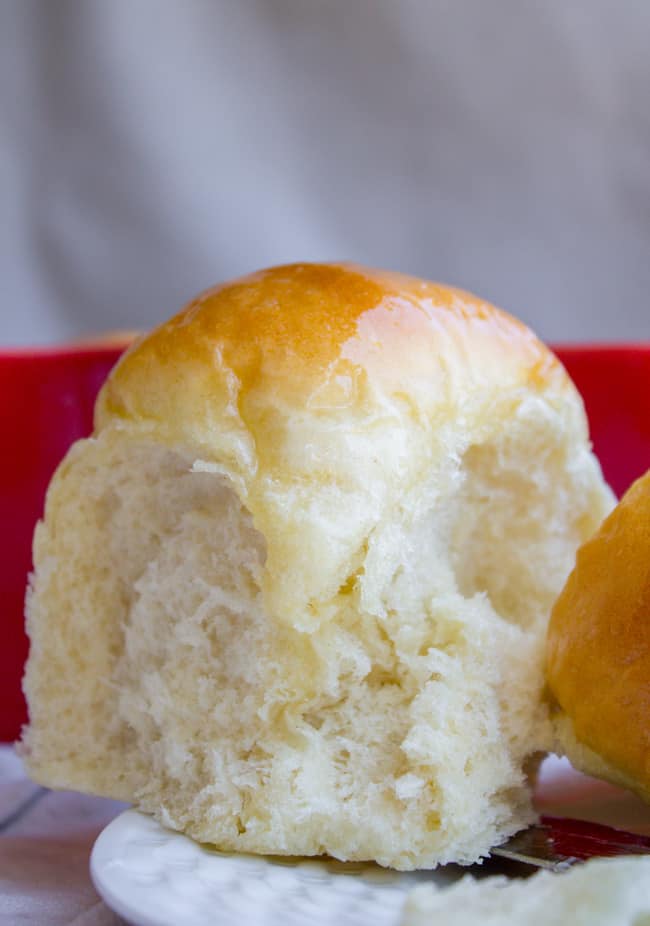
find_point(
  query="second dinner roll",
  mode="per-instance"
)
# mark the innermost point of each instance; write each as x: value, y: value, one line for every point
x: 598, y: 655
x: 291, y: 596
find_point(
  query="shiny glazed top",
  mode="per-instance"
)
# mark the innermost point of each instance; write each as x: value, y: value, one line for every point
x: 598, y: 653
x: 306, y: 333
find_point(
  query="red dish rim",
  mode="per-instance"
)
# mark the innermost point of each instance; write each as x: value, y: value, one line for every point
x: 90, y: 348
x: 82, y: 348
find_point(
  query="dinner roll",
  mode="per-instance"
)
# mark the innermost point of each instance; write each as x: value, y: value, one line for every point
x: 598, y: 652
x: 291, y: 596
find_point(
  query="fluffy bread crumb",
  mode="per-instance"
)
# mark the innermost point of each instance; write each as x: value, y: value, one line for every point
x: 392, y: 722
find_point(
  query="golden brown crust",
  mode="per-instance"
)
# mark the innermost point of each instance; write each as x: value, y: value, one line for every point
x: 288, y: 331
x: 598, y: 648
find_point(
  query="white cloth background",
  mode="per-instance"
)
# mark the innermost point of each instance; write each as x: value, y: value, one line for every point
x: 149, y: 148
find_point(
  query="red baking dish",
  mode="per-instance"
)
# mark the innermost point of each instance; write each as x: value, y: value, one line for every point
x: 46, y: 403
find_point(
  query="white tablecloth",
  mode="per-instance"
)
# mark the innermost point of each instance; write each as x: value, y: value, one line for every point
x: 45, y: 843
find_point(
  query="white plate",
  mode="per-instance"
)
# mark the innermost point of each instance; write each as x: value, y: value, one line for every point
x: 154, y: 877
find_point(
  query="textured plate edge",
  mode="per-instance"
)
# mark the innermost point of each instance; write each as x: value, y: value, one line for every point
x: 107, y: 894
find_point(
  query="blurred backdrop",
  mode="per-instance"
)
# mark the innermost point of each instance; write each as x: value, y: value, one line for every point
x: 150, y: 148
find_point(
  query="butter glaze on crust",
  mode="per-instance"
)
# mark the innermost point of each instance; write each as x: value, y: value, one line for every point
x: 309, y: 335
x: 598, y: 648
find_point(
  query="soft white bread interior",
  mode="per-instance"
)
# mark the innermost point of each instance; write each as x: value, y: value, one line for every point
x: 602, y: 892
x: 291, y: 596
